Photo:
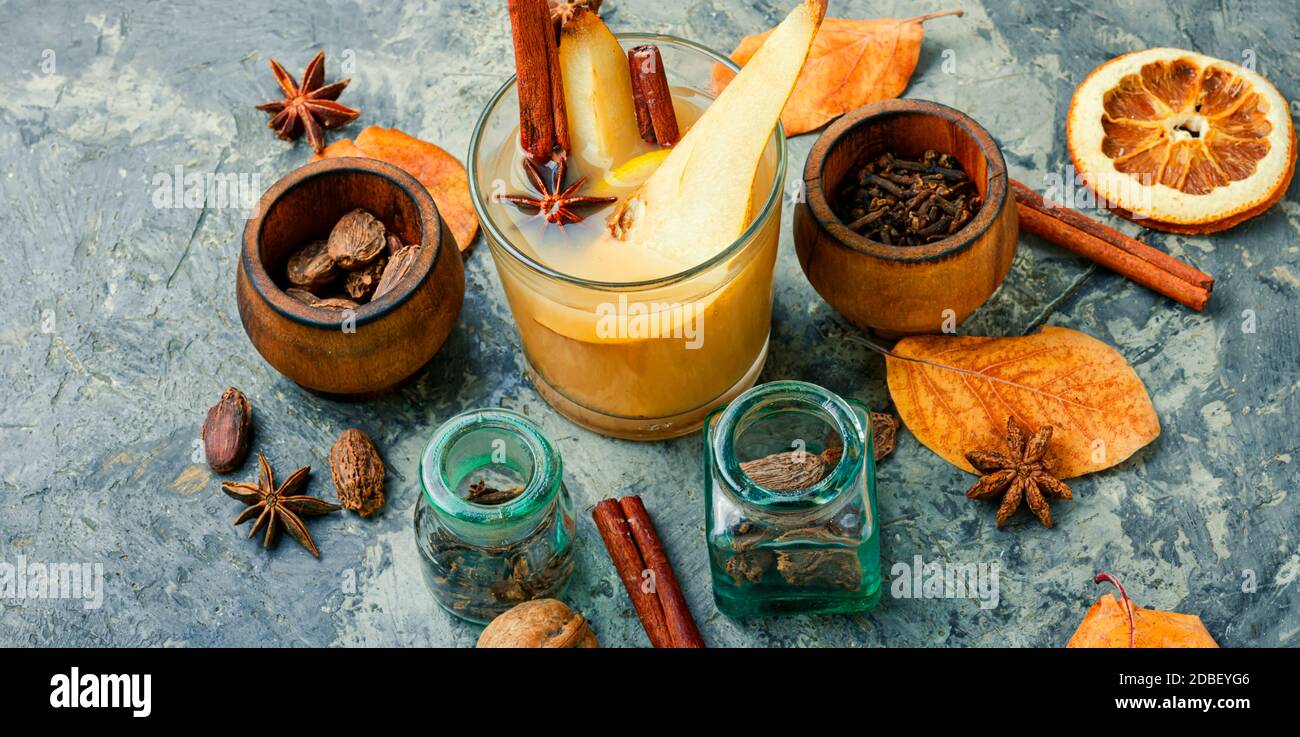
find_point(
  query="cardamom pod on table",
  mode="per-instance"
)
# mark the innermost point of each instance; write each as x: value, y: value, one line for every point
x: 358, y: 472
x: 226, y: 430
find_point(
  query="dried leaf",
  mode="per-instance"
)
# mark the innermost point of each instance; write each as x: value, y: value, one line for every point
x: 440, y: 173
x: 852, y: 63
x: 957, y: 396
x: 1106, y: 625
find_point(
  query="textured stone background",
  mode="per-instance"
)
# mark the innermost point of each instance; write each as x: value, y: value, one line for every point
x: 122, y: 329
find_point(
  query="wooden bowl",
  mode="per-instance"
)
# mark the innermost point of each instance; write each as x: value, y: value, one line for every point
x: 377, y: 346
x: 902, y: 290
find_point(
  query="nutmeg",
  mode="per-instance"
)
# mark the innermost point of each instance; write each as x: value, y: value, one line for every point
x: 226, y: 430
x: 358, y: 472
x: 356, y: 240
x: 539, y: 623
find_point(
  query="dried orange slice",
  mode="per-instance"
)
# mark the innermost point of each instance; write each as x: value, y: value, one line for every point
x: 1180, y: 141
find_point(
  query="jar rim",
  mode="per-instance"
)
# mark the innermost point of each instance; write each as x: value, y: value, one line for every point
x: 538, y: 493
x: 749, y: 235
x: 846, y: 421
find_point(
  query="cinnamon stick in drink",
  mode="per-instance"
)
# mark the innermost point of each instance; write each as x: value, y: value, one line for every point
x: 656, y: 119
x: 543, y: 118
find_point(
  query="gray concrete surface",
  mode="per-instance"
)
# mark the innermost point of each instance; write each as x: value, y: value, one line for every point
x: 121, y: 329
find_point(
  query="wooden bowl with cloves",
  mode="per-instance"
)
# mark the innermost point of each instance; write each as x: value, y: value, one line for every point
x: 907, y: 225
x: 349, y: 281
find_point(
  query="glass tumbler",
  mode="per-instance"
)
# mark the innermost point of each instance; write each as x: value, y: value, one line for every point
x: 627, y: 386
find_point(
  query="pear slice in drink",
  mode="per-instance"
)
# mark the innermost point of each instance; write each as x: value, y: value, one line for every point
x: 597, y: 92
x: 699, y: 200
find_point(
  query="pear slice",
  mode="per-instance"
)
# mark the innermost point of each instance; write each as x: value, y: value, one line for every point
x: 597, y: 91
x: 698, y: 202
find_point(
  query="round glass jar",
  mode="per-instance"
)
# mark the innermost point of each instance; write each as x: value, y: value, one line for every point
x: 482, y: 559
x: 796, y: 549
x: 623, y: 385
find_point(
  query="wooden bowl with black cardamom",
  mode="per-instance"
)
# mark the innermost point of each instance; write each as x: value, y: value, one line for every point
x: 903, y: 290
x: 372, y: 349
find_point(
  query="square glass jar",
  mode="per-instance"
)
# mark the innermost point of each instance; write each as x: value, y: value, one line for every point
x: 814, y: 549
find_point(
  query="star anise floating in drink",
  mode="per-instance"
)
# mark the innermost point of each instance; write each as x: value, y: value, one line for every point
x: 563, y: 11
x: 278, y: 506
x: 307, y: 107
x: 555, y: 205
x: 1021, y: 473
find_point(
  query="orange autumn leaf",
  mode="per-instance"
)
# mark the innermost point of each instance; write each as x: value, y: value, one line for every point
x: 440, y: 173
x: 956, y: 395
x: 851, y: 63
x: 1107, y: 624
x: 341, y: 147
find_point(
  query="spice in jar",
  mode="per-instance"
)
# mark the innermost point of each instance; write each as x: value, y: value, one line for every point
x: 900, y: 202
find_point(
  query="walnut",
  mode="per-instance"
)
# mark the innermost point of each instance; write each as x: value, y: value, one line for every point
x: 312, y: 267
x: 358, y: 472
x: 356, y: 240
x: 361, y: 283
x: 539, y: 623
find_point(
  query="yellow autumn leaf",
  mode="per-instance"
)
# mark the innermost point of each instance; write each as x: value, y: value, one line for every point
x: 1106, y: 625
x: 957, y: 397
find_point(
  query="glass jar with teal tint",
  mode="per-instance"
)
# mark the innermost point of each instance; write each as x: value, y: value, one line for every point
x: 790, y: 489
x: 480, y: 559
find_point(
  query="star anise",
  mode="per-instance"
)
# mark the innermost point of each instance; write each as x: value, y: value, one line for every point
x: 1020, y: 473
x: 278, y: 506
x: 563, y: 11
x: 555, y: 205
x: 308, y: 107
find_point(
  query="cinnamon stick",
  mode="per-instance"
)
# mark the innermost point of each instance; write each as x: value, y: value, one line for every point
x: 655, y: 117
x: 1140, y: 263
x: 676, y: 613
x: 1094, y: 249
x: 543, y: 119
x: 613, y: 528
x: 1024, y: 194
